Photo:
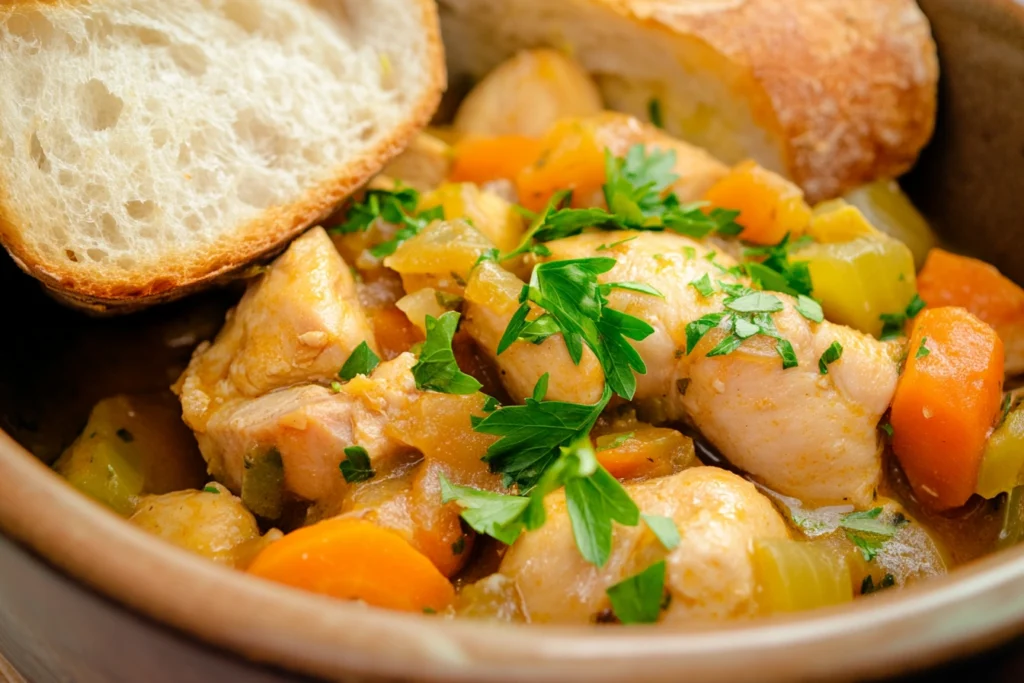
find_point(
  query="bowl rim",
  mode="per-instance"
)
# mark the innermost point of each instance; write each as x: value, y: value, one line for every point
x: 976, y: 607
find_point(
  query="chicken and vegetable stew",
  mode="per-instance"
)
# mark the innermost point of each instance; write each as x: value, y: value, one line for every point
x: 557, y: 366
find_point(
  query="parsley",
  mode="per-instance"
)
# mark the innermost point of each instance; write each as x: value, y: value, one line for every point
x: 398, y: 207
x: 639, y: 598
x: 577, y: 304
x: 867, y: 586
x: 356, y: 465
x: 449, y: 302
x: 922, y: 350
x: 703, y: 285
x: 833, y: 353
x: 362, y: 361
x: 125, y: 435
x: 809, y: 308
x: 893, y: 323
x: 1004, y: 409
x: 655, y: 114
x: 887, y: 428
x: 868, y: 532
x: 436, y: 369
x: 531, y: 435
x: 775, y: 272
x: 665, y: 530
x: 594, y: 502
x: 747, y: 314
x: 638, y: 197
x: 495, y: 514
x: 459, y: 546
x: 606, y: 444
x: 210, y: 488
x: 606, y: 247
x: 336, y: 387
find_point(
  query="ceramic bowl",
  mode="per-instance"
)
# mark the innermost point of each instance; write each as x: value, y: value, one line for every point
x: 86, y: 597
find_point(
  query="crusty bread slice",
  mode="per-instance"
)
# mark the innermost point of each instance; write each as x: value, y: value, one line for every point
x: 149, y: 147
x: 832, y: 93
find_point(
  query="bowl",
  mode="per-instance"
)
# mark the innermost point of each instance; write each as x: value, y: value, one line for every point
x: 86, y: 597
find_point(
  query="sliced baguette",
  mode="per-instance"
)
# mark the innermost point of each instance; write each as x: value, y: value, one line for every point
x: 148, y: 148
x: 832, y: 93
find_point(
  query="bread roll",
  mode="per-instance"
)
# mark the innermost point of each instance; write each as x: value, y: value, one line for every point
x: 150, y: 147
x: 832, y: 93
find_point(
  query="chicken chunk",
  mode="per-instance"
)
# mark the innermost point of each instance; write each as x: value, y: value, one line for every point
x: 310, y: 426
x: 298, y: 323
x: 805, y: 434
x: 710, y: 575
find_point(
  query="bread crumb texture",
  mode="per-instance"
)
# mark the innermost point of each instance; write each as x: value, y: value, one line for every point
x: 146, y: 143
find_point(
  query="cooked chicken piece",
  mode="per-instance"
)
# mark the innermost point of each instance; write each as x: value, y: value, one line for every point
x: 526, y: 94
x: 310, y: 426
x: 710, y: 575
x: 805, y: 434
x: 491, y: 298
x: 298, y: 323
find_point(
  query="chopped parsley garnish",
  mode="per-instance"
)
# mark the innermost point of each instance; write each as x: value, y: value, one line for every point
x: 703, y: 285
x: 887, y: 428
x: 531, y: 435
x: 833, y: 353
x: 606, y: 247
x: 498, y: 515
x: 210, y: 488
x: 640, y: 598
x: 356, y: 465
x: 655, y: 114
x: 868, y: 532
x: 125, y: 435
x: 867, y: 586
x: 436, y: 369
x: 893, y: 323
x: 1004, y: 409
x: 664, y: 529
x: 398, y: 207
x: 809, y: 308
x: 576, y: 303
x: 922, y: 350
x: 775, y: 272
x: 747, y: 313
x: 606, y: 444
x: 362, y: 361
x: 638, y: 197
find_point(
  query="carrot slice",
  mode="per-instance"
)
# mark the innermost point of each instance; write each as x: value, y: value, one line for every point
x: 951, y: 280
x: 353, y: 559
x: 770, y: 206
x: 570, y: 158
x: 394, y: 332
x: 945, y: 404
x: 481, y: 160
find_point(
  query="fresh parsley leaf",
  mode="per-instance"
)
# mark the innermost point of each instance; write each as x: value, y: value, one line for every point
x: 922, y: 350
x: 744, y: 328
x: 210, y: 488
x: 809, y: 308
x: 665, y: 529
x: 887, y: 428
x: 495, y: 514
x: 1004, y: 410
x: 867, y: 586
x: 594, y: 503
x: 436, y: 369
x: 336, y: 387
x: 540, y: 389
x: 869, y: 532
x: 893, y: 324
x: 775, y: 271
x: 638, y: 287
x: 449, y: 302
x: 755, y: 302
x: 531, y: 435
x: 785, y: 350
x: 607, y: 247
x: 490, y: 404
x: 398, y: 207
x: 697, y: 329
x: 639, y: 598
x: 356, y: 465
x: 361, y: 361
x: 655, y: 114
x: 703, y: 285
x: 729, y: 343
x: 833, y: 353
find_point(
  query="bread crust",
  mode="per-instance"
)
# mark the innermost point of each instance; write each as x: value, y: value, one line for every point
x: 846, y: 87
x: 260, y: 239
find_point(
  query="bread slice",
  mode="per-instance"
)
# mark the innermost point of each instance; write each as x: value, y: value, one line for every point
x: 150, y: 147
x: 832, y: 93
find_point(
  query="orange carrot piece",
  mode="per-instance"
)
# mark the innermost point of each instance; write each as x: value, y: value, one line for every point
x: 770, y: 206
x: 646, y: 452
x: 481, y: 160
x: 945, y: 404
x: 394, y: 331
x: 353, y: 559
x: 570, y: 159
x: 951, y: 280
